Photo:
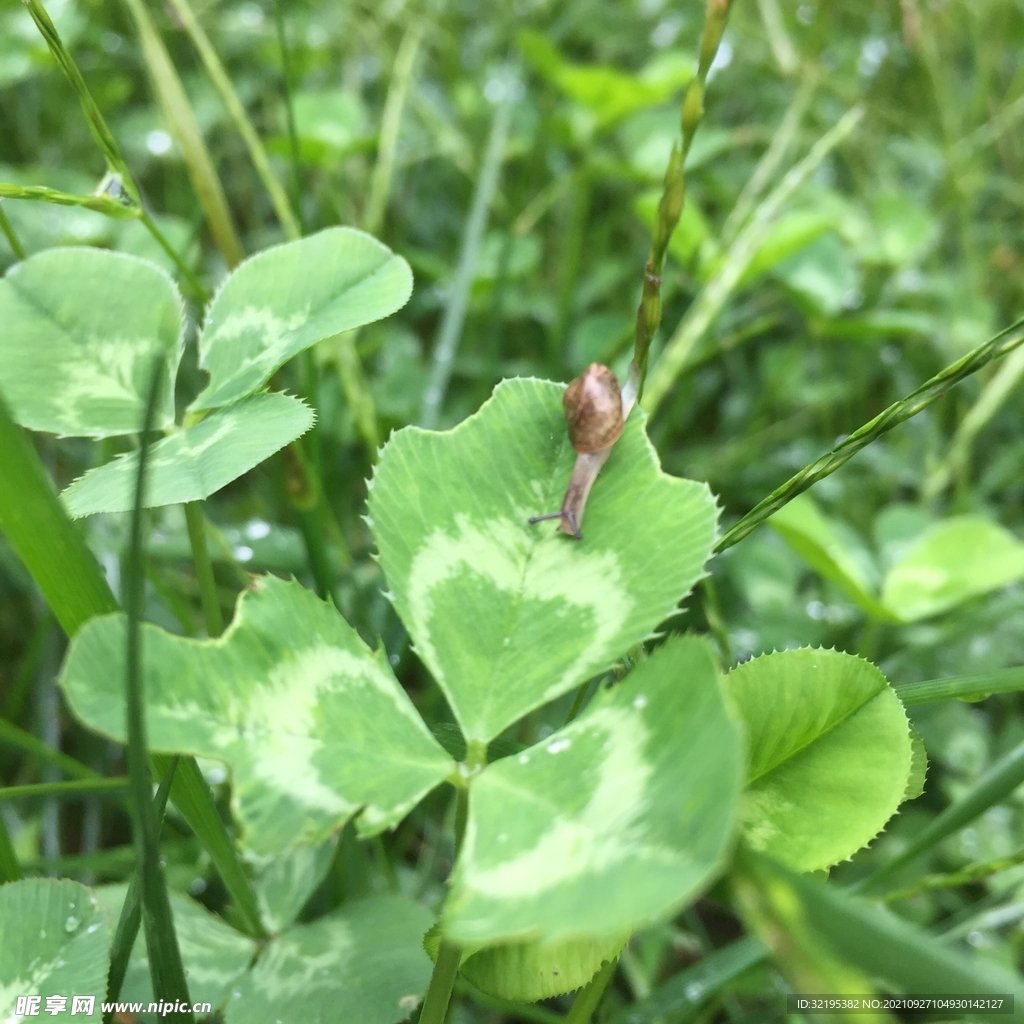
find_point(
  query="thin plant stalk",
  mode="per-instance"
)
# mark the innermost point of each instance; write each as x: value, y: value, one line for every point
x: 782, y: 139
x: 14, y: 736
x: 586, y: 1002
x: 778, y: 38
x: 442, y: 981
x: 968, y: 875
x: 450, y: 329
x: 357, y: 391
x: 195, y: 521
x: 72, y: 788
x: 289, y: 110
x: 176, y: 107
x: 166, y: 970
x: 670, y: 207
x: 236, y: 111
x: 131, y: 910
x: 708, y: 304
x: 1002, y: 344
x: 10, y: 234
x: 925, y: 691
x: 990, y: 401
x: 390, y: 126
x: 116, y: 165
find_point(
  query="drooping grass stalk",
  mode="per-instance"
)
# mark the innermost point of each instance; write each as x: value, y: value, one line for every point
x: 1002, y: 344
x: 229, y: 97
x: 995, y: 785
x: 306, y: 497
x: 44, y: 538
x: 1007, y: 680
x: 989, y: 402
x: 10, y: 869
x: 178, y: 111
x: 9, y: 233
x: 73, y: 788
x: 195, y: 522
x: 22, y: 739
x: 165, y: 967
x: 289, y: 110
x: 390, y: 125
x: 586, y: 1002
x: 131, y: 910
x: 723, y: 282
x: 116, y: 165
x: 648, y: 314
x: 450, y: 329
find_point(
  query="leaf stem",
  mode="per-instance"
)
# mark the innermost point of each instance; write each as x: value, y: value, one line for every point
x: 183, y: 268
x: 586, y: 1002
x: 16, y: 737
x: 442, y: 981
x: 194, y: 520
x: 10, y: 869
x: 9, y: 233
x: 1002, y: 344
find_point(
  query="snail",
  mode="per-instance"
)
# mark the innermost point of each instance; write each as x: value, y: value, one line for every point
x: 595, y: 414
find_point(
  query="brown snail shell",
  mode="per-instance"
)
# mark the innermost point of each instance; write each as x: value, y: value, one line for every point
x: 593, y: 409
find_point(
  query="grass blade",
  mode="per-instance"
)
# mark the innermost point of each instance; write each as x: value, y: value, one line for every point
x: 192, y: 797
x: 9, y: 233
x: 995, y: 785
x: 204, y: 568
x: 450, y: 329
x: 75, y: 787
x: 131, y: 910
x: 253, y: 143
x: 10, y: 869
x: 714, y: 295
x: 24, y: 740
x: 166, y: 970
x: 687, y: 992
x: 1002, y: 344
x: 1008, y: 680
x: 44, y: 538
x: 178, y: 111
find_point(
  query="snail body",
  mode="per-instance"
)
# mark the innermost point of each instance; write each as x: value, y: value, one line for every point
x: 595, y: 415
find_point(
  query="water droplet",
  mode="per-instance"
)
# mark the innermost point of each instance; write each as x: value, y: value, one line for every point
x: 503, y: 838
x: 236, y: 994
x: 507, y: 641
x: 557, y: 746
x: 639, y: 701
x: 523, y: 758
x: 92, y: 928
x: 42, y: 933
x: 405, y: 1003
x: 71, y: 924
x: 694, y: 991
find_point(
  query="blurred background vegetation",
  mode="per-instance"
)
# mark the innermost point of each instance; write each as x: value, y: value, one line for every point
x: 513, y: 153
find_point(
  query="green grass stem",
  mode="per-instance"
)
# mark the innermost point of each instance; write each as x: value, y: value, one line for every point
x: 454, y: 317
x: 725, y: 280
x: 236, y: 111
x: 590, y: 996
x: 73, y: 788
x: 442, y: 981
x: 1007, y: 680
x: 165, y: 966
x: 390, y: 126
x: 9, y: 233
x: 176, y: 107
x: 10, y: 869
x: 131, y: 910
x: 12, y: 735
x: 195, y: 521
x: 289, y: 110
x: 1002, y: 344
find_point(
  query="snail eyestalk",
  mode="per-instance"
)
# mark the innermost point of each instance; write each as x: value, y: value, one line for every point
x: 596, y: 410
